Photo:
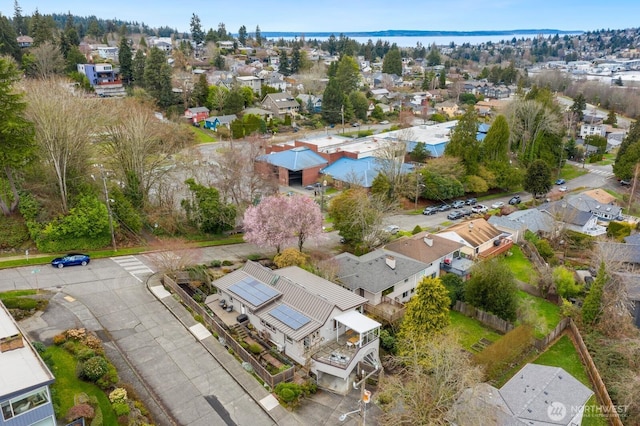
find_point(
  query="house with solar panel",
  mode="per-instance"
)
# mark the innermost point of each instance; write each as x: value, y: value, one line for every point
x: 25, y: 398
x: 314, y: 322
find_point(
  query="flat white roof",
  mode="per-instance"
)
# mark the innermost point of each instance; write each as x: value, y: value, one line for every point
x: 20, y: 368
x: 427, y: 134
x: 357, y: 322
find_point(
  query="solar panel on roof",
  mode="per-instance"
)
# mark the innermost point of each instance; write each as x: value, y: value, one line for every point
x: 289, y: 316
x: 253, y: 291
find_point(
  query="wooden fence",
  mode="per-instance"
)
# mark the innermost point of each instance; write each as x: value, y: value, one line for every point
x: 601, y: 390
x: 486, y: 318
x: 391, y: 316
x: 228, y: 340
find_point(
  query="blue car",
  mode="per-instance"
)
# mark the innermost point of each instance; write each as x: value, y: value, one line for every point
x: 70, y: 260
x: 560, y: 182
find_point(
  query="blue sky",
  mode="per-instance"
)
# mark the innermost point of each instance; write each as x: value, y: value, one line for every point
x: 355, y: 15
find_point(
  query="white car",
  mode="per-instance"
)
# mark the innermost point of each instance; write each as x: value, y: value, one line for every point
x: 479, y: 208
x: 497, y: 205
x: 563, y: 189
x: 392, y: 229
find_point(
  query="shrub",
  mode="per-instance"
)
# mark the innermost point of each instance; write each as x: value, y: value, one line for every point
x: 497, y: 356
x: 121, y: 408
x: 69, y: 346
x: 227, y: 263
x: 94, y: 368
x: 619, y: 230
x: 118, y: 395
x: 545, y: 249
x: 199, y: 318
x: 416, y: 230
x: 59, y: 339
x: 387, y: 341
x: 216, y: 263
x: 80, y: 410
x: 253, y: 257
x: 39, y: 347
x: 98, y: 420
x: 140, y: 407
x: 77, y: 334
x: 109, y: 379
x: 85, y: 354
x: 289, y: 393
x: 255, y: 348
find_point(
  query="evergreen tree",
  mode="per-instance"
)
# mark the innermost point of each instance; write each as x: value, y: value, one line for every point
x: 578, y: 106
x: 74, y: 57
x: 349, y: 112
x: 496, y: 143
x: 258, y: 36
x: 8, y: 39
x: 197, y: 34
x: 433, y: 58
x: 348, y: 74
x: 538, y: 178
x: 242, y: 35
x: 284, y: 63
x: 442, y: 79
x: 71, y: 32
x: 16, y: 135
x: 427, y: 312
x: 137, y: 71
x: 492, y: 288
x: 201, y: 91
x: 125, y: 59
x: 19, y: 22
x: 592, y: 307
x: 41, y: 28
x: 360, y: 105
x: 464, y: 141
x: 332, y: 102
x: 392, y: 62
x: 219, y: 62
x: 296, y: 59
x: 157, y: 77
x: 612, y: 118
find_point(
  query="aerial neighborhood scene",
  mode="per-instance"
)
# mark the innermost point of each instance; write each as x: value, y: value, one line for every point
x: 308, y: 214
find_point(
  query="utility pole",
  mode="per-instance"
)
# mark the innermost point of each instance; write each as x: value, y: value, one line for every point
x: 342, y: 114
x: 108, y: 201
x: 633, y: 188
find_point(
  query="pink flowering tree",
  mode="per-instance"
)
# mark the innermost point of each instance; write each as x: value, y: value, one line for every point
x: 279, y: 220
x: 305, y: 220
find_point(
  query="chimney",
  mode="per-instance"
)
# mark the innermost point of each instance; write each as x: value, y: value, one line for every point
x: 391, y: 262
x: 428, y: 240
x: 11, y: 342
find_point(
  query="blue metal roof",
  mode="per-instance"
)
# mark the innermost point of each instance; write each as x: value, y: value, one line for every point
x: 483, y: 128
x: 435, y: 150
x: 295, y: 159
x: 362, y: 170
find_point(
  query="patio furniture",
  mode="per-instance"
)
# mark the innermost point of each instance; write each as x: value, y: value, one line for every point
x: 229, y: 308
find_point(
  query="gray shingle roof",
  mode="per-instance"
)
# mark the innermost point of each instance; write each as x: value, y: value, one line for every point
x: 531, y: 390
x: 416, y: 247
x: 371, y: 271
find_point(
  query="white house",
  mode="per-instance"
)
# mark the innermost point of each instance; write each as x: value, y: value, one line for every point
x: 311, y: 320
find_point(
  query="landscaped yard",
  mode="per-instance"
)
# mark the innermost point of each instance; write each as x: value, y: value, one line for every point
x: 563, y: 354
x: 67, y: 385
x: 470, y: 330
x: 547, y: 313
x: 520, y: 265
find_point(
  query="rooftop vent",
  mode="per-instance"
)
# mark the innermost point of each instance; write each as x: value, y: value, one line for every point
x: 10, y: 343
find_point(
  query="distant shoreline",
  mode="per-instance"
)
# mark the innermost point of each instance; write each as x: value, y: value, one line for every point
x: 414, y: 33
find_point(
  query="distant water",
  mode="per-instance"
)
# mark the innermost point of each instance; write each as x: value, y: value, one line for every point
x: 426, y: 41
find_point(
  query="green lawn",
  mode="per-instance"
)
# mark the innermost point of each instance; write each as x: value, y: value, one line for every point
x: 16, y: 293
x: 520, y: 265
x: 67, y: 385
x: 202, y: 135
x: 570, y: 171
x: 547, y: 313
x: 563, y: 354
x: 470, y: 330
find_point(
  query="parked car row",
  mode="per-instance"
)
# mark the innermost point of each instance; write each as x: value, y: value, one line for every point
x: 446, y: 207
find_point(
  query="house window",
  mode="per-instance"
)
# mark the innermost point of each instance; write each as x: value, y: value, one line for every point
x: 22, y: 404
x: 388, y: 291
x: 406, y: 280
x: 413, y: 290
x: 405, y: 294
x: 288, y: 339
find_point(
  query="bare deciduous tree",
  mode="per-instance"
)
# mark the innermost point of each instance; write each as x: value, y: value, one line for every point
x: 139, y: 145
x: 64, y: 124
x: 432, y: 375
x: 529, y: 119
x: 48, y: 60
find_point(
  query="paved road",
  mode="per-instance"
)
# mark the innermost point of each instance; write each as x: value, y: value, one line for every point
x: 107, y: 297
